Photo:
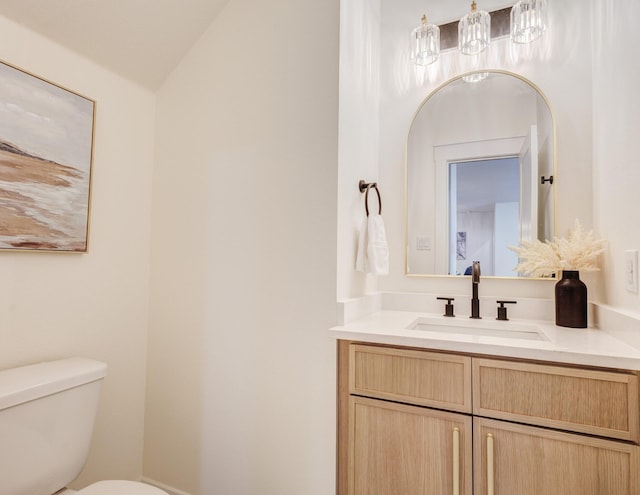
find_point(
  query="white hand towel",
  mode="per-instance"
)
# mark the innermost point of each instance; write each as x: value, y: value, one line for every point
x: 361, y: 256
x: 377, y: 248
x: 373, y: 252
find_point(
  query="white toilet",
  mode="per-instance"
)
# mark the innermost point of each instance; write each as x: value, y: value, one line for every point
x: 47, y: 411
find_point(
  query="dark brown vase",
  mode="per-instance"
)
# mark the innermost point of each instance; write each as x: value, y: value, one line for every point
x: 571, y: 300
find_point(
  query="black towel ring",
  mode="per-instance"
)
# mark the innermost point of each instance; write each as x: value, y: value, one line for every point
x: 364, y: 188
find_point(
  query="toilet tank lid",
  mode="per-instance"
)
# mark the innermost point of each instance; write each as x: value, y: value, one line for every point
x: 19, y: 385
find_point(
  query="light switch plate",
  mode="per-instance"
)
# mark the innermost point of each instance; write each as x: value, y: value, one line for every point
x: 423, y: 243
x: 631, y: 270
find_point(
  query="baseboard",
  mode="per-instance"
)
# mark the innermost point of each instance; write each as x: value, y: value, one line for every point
x: 169, y: 489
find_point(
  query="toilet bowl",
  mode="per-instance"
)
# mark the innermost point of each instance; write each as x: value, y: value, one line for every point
x: 47, y: 411
x: 118, y: 487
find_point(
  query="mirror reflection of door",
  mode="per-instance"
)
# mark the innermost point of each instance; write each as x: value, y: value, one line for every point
x: 485, y: 215
x: 528, y: 158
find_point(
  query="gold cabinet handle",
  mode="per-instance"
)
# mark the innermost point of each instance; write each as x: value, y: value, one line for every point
x: 490, y: 464
x: 456, y: 461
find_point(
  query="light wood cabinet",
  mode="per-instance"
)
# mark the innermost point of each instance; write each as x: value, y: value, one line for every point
x: 415, y: 377
x: 389, y: 442
x: 400, y: 449
x: 597, y: 402
x: 408, y: 420
x: 511, y: 458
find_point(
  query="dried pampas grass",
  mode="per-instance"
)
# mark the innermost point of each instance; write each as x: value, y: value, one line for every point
x: 578, y: 251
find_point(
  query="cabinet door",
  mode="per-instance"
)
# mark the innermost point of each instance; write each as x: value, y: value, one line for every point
x: 514, y: 459
x: 396, y: 449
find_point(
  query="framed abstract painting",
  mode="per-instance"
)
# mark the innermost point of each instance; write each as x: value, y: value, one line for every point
x: 46, y: 152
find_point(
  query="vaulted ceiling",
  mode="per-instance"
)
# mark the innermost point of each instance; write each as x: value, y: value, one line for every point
x: 143, y: 40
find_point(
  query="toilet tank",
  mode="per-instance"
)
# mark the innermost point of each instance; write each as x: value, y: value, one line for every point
x: 47, y: 411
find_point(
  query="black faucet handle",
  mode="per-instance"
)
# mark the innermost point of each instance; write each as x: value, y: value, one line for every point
x: 502, y: 309
x: 448, y: 308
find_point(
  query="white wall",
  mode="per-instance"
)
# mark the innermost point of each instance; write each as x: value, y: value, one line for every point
x: 95, y: 304
x: 616, y: 103
x: 241, y: 395
x: 241, y: 373
x: 507, y: 216
x: 559, y: 64
x: 359, y: 130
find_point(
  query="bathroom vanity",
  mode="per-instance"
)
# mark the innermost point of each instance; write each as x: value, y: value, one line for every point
x: 456, y: 414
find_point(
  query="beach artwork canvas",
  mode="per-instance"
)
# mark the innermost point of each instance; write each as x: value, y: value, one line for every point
x: 46, y: 140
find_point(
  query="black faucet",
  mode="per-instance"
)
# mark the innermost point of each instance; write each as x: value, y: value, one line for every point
x: 475, y: 280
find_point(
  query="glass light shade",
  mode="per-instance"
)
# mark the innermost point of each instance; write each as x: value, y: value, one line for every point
x: 425, y: 40
x: 474, y: 31
x: 528, y: 20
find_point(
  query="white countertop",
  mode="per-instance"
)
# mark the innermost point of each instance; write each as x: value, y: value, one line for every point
x: 586, y: 346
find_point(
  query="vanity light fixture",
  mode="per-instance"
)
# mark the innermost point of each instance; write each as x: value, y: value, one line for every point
x: 474, y: 31
x: 525, y: 22
x: 425, y: 40
x: 528, y: 20
x: 475, y: 77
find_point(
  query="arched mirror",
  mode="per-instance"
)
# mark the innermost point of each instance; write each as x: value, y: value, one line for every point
x: 479, y: 171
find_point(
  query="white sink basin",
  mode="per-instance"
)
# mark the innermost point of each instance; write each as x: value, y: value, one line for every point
x: 481, y: 328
